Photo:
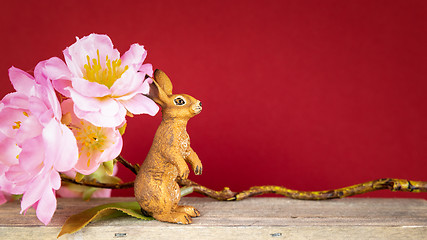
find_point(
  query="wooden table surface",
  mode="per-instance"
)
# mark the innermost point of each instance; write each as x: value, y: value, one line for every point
x: 255, y: 218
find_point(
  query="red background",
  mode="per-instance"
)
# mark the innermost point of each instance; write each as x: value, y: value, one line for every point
x: 312, y: 95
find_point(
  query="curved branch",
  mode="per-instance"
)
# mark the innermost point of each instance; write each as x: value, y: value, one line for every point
x: 68, y: 179
x: 130, y: 166
x: 227, y: 195
x: 380, y: 184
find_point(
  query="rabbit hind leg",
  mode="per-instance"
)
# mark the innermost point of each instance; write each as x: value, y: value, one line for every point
x: 174, y: 217
x: 193, y: 212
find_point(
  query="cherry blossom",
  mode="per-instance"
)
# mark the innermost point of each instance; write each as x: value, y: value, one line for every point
x: 36, y: 145
x: 103, y: 85
x: 96, y: 144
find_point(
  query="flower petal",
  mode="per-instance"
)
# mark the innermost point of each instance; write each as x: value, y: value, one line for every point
x: 145, y: 88
x: 128, y: 84
x: 114, y: 150
x: 89, y: 89
x: 35, y: 191
x: 147, y: 69
x: 9, y: 151
x: 135, y: 56
x: 100, y: 120
x: 7, y: 186
x: 61, y: 146
x: 15, y: 100
x: 110, y: 107
x: 37, y: 107
x: 67, y: 106
x: 140, y: 104
x: 76, y: 54
x: 68, y: 109
x: 32, y: 155
x: 18, y: 176
x: 88, y: 162
x: 55, y: 180
x: 30, y: 128
x: 45, y: 90
x: 85, y: 103
x: 46, y: 206
x: 10, y: 121
x: 54, y: 68
x: 74, y: 68
x: 22, y: 81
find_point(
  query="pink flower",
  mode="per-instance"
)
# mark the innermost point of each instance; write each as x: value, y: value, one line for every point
x: 96, y: 144
x: 36, y: 146
x: 104, y: 86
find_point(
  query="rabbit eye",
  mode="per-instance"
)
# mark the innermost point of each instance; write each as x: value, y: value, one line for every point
x: 179, y: 101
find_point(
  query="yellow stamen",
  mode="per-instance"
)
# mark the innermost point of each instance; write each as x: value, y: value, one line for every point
x: 88, y: 158
x: 91, y: 139
x: 105, y: 75
x: 17, y: 125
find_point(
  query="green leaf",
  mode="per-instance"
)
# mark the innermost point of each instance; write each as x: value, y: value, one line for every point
x: 17, y: 196
x: 186, y: 190
x: 107, y: 211
x: 79, y: 176
x: 122, y: 129
x: 88, y: 192
x: 109, y: 166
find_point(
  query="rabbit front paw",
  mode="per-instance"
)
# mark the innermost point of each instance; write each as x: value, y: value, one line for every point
x: 184, y: 173
x: 198, y: 169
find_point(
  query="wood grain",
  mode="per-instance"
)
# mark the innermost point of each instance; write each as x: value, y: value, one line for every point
x: 255, y: 218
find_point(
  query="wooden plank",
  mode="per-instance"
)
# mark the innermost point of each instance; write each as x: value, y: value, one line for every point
x: 255, y: 218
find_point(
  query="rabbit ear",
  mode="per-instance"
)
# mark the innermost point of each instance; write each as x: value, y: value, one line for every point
x: 157, y: 94
x: 163, y: 81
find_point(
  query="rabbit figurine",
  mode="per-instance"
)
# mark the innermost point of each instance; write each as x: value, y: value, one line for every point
x: 156, y: 189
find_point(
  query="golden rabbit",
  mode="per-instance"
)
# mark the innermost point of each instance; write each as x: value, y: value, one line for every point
x: 156, y: 189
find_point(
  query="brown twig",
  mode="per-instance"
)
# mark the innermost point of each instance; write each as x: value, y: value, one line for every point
x: 120, y: 159
x: 380, y: 184
x: 68, y: 179
x: 226, y: 194
x: 130, y: 166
